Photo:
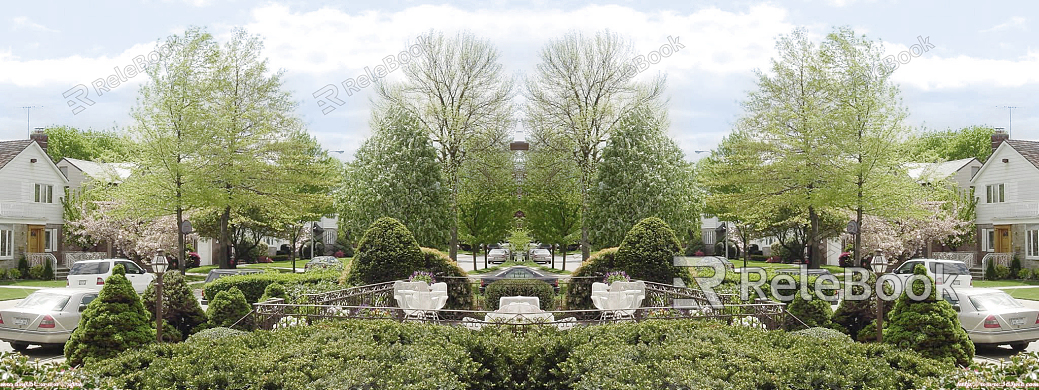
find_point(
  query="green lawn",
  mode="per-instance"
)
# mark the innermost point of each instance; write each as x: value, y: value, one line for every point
x: 1005, y: 283
x: 33, y: 283
x: 277, y: 264
x: 1024, y: 293
x: 7, y: 294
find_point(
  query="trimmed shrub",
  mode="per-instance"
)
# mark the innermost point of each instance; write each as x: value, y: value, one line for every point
x: 3, y: 273
x: 1024, y: 274
x: 929, y: 326
x: 20, y: 372
x: 215, y: 334
x: 990, y: 270
x: 14, y: 273
x: 114, y: 322
x: 36, y: 272
x: 1002, y: 272
x: 48, y: 271
x: 648, y: 252
x: 387, y: 251
x: 1018, y: 372
x: 516, y: 287
x: 1015, y: 266
x: 579, y: 290
x: 23, y: 266
x: 179, y: 306
x: 228, y: 308
x: 273, y: 290
x: 813, y: 312
x: 823, y: 333
x: 253, y: 285
x: 853, y: 315
x: 459, y: 292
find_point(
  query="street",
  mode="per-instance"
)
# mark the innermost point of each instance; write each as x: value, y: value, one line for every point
x: 573, y: 260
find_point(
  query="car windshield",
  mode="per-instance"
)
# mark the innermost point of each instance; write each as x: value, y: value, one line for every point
x: 44, y: 300
x: 993, y: 301
x: 950, y: 268
x: 89, y: 268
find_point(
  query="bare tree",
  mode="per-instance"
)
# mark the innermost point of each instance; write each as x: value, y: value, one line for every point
x: 582, y: 88
x: 461, y: 97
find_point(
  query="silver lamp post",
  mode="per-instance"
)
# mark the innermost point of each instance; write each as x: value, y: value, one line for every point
x: 159, y: 266
x: 879, y: 265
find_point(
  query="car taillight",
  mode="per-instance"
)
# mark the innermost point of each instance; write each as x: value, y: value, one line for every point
x: 2, y: 320
x: 47, y: 322
x: 100, y: 281
x: 991, y: 322
x: 1036, y: 320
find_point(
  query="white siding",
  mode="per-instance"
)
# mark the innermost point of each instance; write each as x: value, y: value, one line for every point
x: 17, y: 192
x: 76, y: 176
x: 1021, y: 191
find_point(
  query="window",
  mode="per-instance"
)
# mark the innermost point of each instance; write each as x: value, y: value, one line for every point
x: 44, y: 193
x: 995, y: 193
x: 131, y: 268
x: 6, y: 251
x: 988, y: 240
x: 1032, y: 247
x: 50, y: 238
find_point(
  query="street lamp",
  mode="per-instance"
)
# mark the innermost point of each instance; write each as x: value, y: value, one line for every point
x: 159, y: 265
x: 879, y: 264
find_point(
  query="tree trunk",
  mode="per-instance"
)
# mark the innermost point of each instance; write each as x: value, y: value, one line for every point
x: 585, y: 250
x: 857, y: 255
x: 813, y: 239
x: 224, y: 259
x: 453, y: 244
x: 182, y: 257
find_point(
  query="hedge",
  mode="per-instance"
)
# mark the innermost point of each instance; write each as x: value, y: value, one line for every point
x: 662, y: 354
x: 459, y: 291
x: 579, y: 290
x: 253, y: 285
x: 518, y: 287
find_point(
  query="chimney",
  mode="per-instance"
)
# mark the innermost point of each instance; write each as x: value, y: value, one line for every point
x: 998, y: 137
x: 41, y: 138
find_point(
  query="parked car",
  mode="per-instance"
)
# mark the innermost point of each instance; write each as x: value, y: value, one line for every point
x: 497, y: 256
x: 519, y: 272
x: 46, y: 317
x: 993, y: 317
x: 541, y: 256
x: 323, y: 262
x: 92, y: 274
x: 953, y: 272
x: 218, y: 273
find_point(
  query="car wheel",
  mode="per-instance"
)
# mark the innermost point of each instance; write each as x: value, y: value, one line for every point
x: 19, y: 346
x: 1019, y: 346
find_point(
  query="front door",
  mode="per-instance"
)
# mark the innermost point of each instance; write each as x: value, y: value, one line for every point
x: 1002, y: 238
x: 36, y: 235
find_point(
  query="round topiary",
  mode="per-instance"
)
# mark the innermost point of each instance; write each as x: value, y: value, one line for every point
x: 229, y: 308
x: 179, y: 306
x: 518, y: 287
x: 579, y: 290
x: 459, y: 292
x: 114, y: 322
x: 273, y: 290
x: 929, y: 326
x: 387, y: 251
x: 648, y: 252
x: 813, y: 312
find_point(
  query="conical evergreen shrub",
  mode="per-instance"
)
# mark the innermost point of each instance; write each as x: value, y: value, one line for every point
x: 180, y: 308
x: 114, y: 322
x: 929, y: 326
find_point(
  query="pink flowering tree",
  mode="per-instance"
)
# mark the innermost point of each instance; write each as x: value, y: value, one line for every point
x: 133, y: 237
x: 904, y: 236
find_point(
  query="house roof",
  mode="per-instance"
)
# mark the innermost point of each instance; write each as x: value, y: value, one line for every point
x: 103, y: 172
x: 1027, y: 149
x: 928, y: 172
x: 10, y: 149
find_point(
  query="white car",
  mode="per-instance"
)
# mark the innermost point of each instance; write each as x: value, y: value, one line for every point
x: 46, y: 317
x: 954, y: 273
x: 92, y: 274
x: 993, y: 317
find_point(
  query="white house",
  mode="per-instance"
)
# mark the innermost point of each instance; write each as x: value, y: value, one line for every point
x: 83, y: 171
x: 31, y: 216
x: 957, y: 172
x: 1007, y: 188
x: 709, y: 224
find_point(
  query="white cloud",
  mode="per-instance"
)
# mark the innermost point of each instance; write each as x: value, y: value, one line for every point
x: 1015, y: 21
x: 933, y: 72
x: 24, y: 22
x: 70, y: 70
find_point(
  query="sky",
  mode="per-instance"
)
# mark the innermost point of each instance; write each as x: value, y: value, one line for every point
x: 961, y: 63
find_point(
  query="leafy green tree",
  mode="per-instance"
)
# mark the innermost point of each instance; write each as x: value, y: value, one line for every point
x: 90, y: 145
x: 947, y: 145
x: 387, y: 251
x: 582, y: 87
x: 395, y: 174
x: 643, y: 174
x: 180, y: 308
x: 929, y: 326
x: 462, y: 98
x: 551, y: 198
x: 229, y: 309
x: 487, y: 202
x: 114, y: 322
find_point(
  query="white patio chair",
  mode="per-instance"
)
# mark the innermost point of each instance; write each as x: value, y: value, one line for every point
x: 599, y: 293
x: 534, y: 301
x: 617, y: 305
x: 439, y: 293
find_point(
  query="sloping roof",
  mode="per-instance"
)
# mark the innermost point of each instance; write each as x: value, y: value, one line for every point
x: 1027, y: 149
x: 10, y: 149
x: 103, y: 172
x: 929, y: 172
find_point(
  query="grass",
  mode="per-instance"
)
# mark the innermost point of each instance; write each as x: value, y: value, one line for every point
x: 7, y: 294
x: 1005, y: 283
x: 277, y: 264
x: 1031, y: 294
x: 33, y: 283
